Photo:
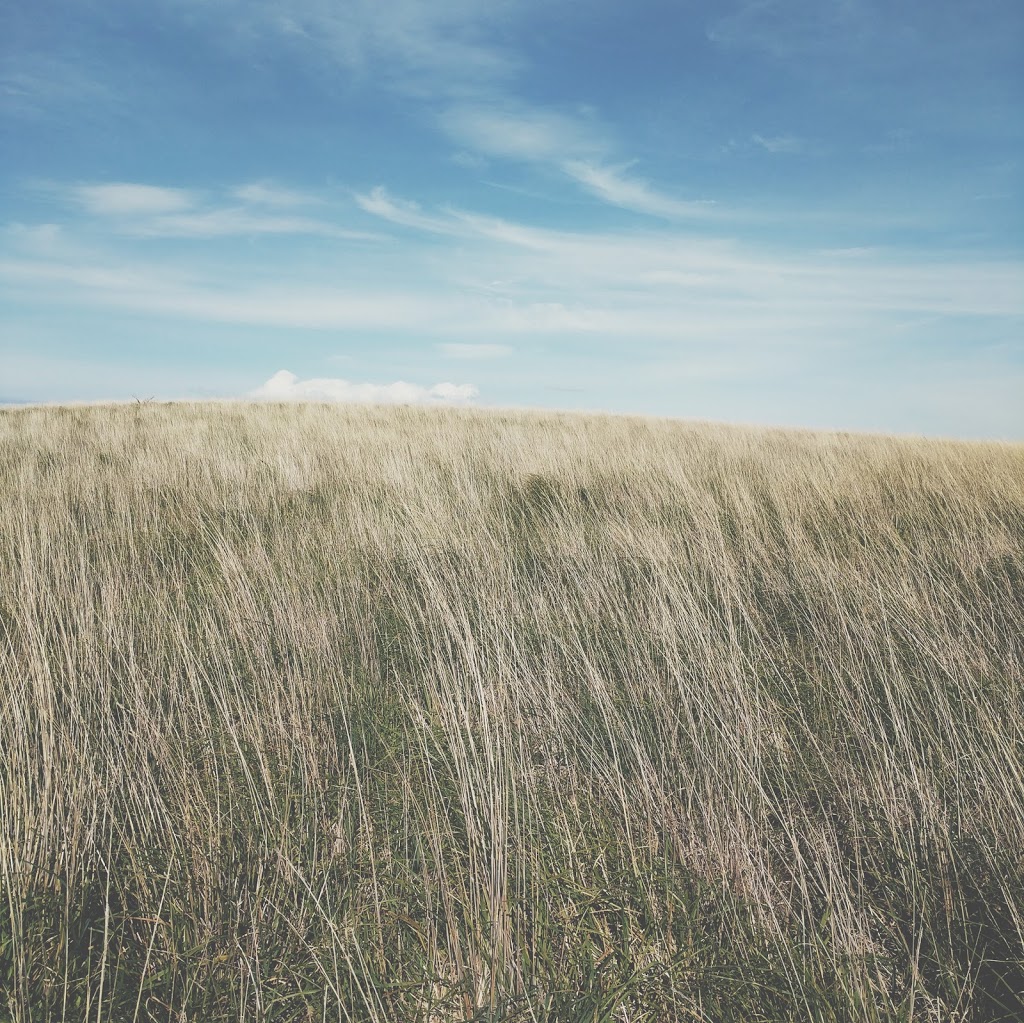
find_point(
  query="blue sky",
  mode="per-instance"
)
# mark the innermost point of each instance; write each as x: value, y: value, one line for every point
x: 796, y: 212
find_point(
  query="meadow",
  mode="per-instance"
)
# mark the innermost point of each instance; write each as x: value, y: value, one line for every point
x: 378, y: 714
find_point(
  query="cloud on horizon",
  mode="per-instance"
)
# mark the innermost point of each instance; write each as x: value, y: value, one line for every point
x: 286, y: 386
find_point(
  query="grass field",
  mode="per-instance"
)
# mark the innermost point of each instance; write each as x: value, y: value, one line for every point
x: 349, y: 713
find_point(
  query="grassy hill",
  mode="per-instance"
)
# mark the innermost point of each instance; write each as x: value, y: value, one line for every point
x: 373, y: 714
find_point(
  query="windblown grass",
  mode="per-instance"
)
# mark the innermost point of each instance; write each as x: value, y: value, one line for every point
x: 364, y: 714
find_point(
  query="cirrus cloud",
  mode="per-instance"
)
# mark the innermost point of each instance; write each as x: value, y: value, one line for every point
x: 611, y: 185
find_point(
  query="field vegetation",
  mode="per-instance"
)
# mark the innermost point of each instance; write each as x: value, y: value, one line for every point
x: 370, y: 714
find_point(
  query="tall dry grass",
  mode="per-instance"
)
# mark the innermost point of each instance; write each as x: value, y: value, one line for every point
x: 392, y: 714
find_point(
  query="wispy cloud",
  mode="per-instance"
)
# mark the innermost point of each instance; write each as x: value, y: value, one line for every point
x: 480, y: 276
x: 474, y: 351
x: 381, y: 204
x: 286, y: 386
x: 447, y: 54
x: 225, y: 223
x: 33, y: 85
x: 612, y: 186
x: 172, y: 292
x: 517, y: 131
x: 572, y: 144
x: 36, y: 239
x: 124, y: 199
x: 445, y: 48
x: 153, y: 211
x: 264, y: 194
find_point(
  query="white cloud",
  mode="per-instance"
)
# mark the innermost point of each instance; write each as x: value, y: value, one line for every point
x: 270, y: 195
x: 33, y: 85
x: 571, y: 144
x: 399, y: 211
x: 224, y: 223
x: 286, y: 386
x: 508, y: 232
x: 444, y: 48
x: 39, y: 239
x: 519, y: 132
x: 130, y: 200
x: 482, y: 277
x: 452, y: 394
x: 150, y: 211
x: 609, y: 184
x: 480, y: 351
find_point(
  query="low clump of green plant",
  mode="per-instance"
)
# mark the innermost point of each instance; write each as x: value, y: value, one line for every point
x: 392, y: 714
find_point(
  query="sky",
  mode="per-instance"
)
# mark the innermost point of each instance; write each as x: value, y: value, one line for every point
x: 783, y: 212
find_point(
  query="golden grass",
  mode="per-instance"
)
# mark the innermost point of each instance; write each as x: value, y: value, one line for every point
x: 312, y: 712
